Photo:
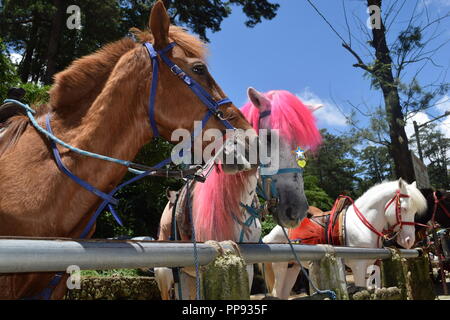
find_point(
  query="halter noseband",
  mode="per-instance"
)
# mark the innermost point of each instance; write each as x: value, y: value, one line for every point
x: 202, y: 94
x: 398, y: 211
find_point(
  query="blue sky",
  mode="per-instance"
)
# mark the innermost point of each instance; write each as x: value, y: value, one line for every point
x: 297, y: 51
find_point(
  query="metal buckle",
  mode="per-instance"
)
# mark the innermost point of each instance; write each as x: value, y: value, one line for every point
x: 219, y: 114
x: 176, y: 70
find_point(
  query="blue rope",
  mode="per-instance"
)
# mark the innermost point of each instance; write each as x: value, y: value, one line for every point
x: 330, y: 293
x: 273, y: 189
x: 254, y: 213
x: 194, y: 242
x: 66, y: 145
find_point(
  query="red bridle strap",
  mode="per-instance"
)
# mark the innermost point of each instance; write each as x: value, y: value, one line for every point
x: 366, y: 222
x: 398, y: 210
x: 437, y: 202
x: 362, y: 217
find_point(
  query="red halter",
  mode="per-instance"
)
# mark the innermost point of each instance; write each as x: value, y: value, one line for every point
x: 366, y: 222
x: 437, y: 202
x: 398, y: 211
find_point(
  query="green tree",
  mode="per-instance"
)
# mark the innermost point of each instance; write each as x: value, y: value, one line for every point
x: 8, y: 74
x: 316, y: 196
x: 37, y: 28
x: 376, y: 165
x: 394, y: 66
x: 334, y: 165
x: 435, y: 148
x: 141, y: 203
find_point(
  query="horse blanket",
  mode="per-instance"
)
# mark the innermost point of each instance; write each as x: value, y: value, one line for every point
x: 317, y: 229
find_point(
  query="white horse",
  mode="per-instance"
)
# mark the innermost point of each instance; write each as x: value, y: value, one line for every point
x: 387, y: 206
x: 225, y: 207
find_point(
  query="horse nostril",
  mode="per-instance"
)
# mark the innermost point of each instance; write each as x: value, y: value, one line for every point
x: 290, y: 213
x: 409, y: 242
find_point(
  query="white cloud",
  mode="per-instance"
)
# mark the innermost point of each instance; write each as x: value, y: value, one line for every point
x: 443, y: 104
x: 328, y: 115
x: 420, y: 118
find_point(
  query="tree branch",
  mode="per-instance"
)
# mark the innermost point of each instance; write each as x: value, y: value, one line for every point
x: 360, y: 63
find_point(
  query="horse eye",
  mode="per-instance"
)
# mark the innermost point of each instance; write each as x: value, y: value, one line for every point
x: 199, y: 69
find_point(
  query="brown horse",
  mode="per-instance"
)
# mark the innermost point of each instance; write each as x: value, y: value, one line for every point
x: 100, y: 104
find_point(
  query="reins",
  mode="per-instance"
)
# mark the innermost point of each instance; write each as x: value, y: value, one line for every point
x: 437, y: 202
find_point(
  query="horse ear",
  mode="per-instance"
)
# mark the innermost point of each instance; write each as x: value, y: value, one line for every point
x: 258, y: 99
x: 314, y: 108
x: 414, y: 184
x: 401, y: 184
x: 159, y: 25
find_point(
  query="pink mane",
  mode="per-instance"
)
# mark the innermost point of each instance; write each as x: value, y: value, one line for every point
x: 216, y: 204
x: 295, y: 122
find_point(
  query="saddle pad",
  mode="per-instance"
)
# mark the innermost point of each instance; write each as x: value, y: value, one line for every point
x: 182, y: 215
x: 314, y: 230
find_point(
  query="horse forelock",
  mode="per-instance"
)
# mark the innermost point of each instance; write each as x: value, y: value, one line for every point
x: 295, y: 122
x: 417, y: 199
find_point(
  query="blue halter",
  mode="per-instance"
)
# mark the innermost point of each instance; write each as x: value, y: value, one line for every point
x: 202, y: 94
x: 268, y: 190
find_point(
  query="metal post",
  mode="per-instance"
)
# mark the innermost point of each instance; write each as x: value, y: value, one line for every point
x: 419, y: 147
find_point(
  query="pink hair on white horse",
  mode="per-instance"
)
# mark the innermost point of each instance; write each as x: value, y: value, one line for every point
x: 295, y: 121
x: 216, y: 205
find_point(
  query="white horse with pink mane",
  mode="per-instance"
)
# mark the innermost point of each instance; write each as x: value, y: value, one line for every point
x: 387, y: 209
x: 219, y: 205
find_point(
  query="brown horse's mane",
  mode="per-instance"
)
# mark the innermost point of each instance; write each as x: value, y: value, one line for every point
x: 87, y: 75
x: 76, y: 87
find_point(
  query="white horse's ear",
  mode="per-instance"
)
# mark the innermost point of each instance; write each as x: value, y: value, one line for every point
x: 401, y: 184
x: 258, y: 99
x: 414, y: 184
x: 314, y: 108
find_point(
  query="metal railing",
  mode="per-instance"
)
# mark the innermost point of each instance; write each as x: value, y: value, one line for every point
x: 47, y: 255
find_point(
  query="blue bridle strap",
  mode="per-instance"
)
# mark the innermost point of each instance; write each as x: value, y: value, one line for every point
x: 261, y: 191
x: 106, y: 197
x: 254, y: 215
x: 202, y: 94
x: 264, y: 114
x: 154, y: 85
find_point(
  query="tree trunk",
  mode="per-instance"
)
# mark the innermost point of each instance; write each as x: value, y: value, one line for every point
x: 53, y: 46
x: 26, y: 65
x: 398, y: 148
